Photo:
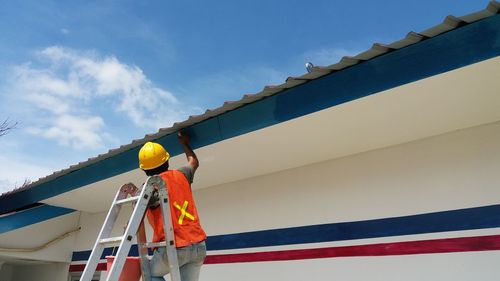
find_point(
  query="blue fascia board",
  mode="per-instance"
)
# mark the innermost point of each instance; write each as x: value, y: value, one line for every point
x: 457, y: 48
x: 9, y: 222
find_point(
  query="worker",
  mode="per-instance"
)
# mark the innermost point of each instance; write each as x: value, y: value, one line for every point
x: 189, y: 235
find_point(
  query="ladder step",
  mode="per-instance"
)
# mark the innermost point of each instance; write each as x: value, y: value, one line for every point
x: 127, y: 200
x: 154, y: 245
x: 111, y: 240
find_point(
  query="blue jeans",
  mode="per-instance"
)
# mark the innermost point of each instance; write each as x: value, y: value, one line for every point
x: 190, y: 261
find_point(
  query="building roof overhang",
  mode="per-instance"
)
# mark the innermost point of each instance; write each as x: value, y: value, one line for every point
x: 455, y: 100
x: 358, y: 104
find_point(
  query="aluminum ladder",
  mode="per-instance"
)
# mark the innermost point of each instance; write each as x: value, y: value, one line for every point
x: 135, y: 228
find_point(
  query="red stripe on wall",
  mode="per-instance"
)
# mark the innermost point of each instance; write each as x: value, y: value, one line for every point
x: 81, y: 267
x: 448, y: 245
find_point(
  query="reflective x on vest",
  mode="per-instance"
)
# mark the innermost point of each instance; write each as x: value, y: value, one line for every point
x: 184, y: 213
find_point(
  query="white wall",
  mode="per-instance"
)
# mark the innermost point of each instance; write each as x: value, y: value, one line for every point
x: 451, y: 171
x: 34, y: 272
x: 43, y: 272
x: 48, y: 264
x: 470, y: 266
x: 91, y: 224
x: 5, y: 272
x: 456, y: 170
x: 40, y: 233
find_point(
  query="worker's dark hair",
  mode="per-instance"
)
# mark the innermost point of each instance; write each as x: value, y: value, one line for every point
x: 158, y: 170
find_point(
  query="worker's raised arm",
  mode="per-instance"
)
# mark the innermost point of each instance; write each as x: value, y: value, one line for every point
x: 191, y: 156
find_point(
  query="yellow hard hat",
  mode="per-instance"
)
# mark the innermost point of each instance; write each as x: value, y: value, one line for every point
x: 152, y: 155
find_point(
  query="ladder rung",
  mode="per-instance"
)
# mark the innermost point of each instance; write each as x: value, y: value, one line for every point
x: 127, y: 200
x: 111, y: 240
x: 154, y: 245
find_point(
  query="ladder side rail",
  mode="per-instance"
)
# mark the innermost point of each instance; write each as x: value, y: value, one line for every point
x: 107, y: 227
x: 143, y: 252
x: 131, y: 231
x: 173, y: 263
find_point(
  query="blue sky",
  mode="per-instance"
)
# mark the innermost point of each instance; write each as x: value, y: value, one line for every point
x: 82, y: 77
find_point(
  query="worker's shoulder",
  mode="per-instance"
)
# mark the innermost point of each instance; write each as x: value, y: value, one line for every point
x: 188, y: 173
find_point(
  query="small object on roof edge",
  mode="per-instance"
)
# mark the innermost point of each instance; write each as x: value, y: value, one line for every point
x: 309, y: 67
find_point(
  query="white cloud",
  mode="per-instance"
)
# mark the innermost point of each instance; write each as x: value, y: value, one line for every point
x: 68, y: 85
x: 76, y: 131
x: 13, y: 173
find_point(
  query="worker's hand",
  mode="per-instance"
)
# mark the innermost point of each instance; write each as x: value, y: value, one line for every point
x: 155, y: 200
x: 183, y: 138
x: 191, y: 156
x: 129, y: 188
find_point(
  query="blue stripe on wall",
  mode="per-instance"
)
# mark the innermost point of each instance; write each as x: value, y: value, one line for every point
x: 84, y: 255
x: 31, y: 216
x: 455, y: 220
x: 460, y: 47
x: 464, y: 219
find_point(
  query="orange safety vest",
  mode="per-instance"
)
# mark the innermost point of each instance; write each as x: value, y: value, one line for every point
x: 187, y: 228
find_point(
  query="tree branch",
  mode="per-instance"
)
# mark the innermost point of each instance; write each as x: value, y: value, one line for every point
x: 6, y: 126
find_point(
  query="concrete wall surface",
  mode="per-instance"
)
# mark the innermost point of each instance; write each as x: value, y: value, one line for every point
x: 423, y: 210
x: 38, y: 272
x: 5, y: 272
x: 40, y: 233
x: 446, y: 172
